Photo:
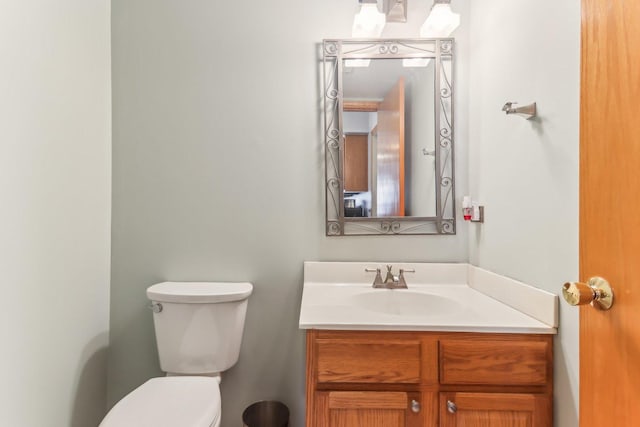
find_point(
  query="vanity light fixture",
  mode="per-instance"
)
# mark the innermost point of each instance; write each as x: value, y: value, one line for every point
x: 440, y: 23
x: 441, y: 20
x: 369, y: 21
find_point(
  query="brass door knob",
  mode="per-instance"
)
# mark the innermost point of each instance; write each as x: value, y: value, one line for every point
x: 596, y: 292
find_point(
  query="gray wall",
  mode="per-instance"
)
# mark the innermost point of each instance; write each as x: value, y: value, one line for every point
x: 526, y: 172
x: 55, y: 210
x: 218, y: 175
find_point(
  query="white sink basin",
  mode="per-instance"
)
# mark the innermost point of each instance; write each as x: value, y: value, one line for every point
x: 440, y: 297
x: 402, y: 302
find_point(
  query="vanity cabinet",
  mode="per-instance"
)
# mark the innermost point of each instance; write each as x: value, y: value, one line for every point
x: 428, y: 379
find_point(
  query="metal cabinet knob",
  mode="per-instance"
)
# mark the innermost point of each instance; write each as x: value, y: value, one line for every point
x: 415, y: 406
x: 451, y: 407
x: 596, y: 292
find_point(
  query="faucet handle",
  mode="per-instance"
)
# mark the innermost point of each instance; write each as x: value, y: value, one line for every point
x: 377, y: 282
x: 401, y: 282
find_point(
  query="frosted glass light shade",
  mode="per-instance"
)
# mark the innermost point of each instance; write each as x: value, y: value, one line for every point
x: 441, y: 22
x: 415, y: 62
x: 357, y: 62
x: 369, y: 22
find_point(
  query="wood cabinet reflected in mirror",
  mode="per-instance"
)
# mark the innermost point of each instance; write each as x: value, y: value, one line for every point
x: 356, y: 162
x: 389, y: 136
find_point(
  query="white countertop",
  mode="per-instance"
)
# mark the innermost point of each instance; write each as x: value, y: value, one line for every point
x: 452, y: 305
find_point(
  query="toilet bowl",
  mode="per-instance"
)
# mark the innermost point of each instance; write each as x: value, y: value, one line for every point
x: 169, y: 401
x: 199, y: 329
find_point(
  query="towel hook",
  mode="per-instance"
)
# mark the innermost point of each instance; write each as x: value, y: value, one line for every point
x: 527, y: 111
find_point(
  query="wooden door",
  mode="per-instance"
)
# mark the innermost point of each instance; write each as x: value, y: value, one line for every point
x: 494, y: 410
x: 610, y: 211
x: 356, y: 162
x: 390, y: 153
x: 367, y: 409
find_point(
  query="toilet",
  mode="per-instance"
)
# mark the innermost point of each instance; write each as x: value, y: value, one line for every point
x: 199, y: 329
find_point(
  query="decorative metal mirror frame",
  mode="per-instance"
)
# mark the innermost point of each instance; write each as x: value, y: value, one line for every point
x: 441, y: 51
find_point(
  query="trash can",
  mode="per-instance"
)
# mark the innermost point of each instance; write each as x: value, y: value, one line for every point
x: 267, y: 413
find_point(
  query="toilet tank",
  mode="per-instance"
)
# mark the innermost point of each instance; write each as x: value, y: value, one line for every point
x: 198, y: 325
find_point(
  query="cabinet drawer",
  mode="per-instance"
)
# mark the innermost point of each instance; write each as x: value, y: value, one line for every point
x: 494, y: 362
x: 340, y: 361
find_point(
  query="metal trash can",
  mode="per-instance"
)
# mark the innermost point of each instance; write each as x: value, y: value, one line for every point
x: 267, y: 413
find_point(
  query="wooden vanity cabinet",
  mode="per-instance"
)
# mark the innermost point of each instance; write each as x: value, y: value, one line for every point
x: 428, y: 379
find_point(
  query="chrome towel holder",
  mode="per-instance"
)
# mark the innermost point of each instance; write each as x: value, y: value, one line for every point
x: 527, y: 111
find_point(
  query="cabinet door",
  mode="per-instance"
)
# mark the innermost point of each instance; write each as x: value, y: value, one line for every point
x: 494, y: 410
x: 368, y: 409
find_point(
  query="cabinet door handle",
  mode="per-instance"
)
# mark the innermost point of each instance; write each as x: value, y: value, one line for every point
x: 415, y: 406
x: 451, y: 407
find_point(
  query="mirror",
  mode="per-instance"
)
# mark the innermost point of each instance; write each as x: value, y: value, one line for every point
x: 389, y: 136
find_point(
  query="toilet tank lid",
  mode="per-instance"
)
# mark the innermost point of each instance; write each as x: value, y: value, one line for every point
x: 199, y: 292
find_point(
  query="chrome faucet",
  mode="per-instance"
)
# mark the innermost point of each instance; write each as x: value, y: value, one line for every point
x: 390, y: 281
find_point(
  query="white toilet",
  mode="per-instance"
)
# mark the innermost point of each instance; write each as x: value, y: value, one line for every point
x: 198, y: 330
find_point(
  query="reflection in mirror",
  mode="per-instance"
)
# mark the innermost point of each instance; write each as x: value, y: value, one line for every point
x: 389, y: 141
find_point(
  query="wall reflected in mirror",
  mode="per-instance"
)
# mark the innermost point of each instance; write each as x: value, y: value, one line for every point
x: 389, y: 136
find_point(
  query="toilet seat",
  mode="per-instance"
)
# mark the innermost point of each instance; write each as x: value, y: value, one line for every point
x: 187, y: 401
